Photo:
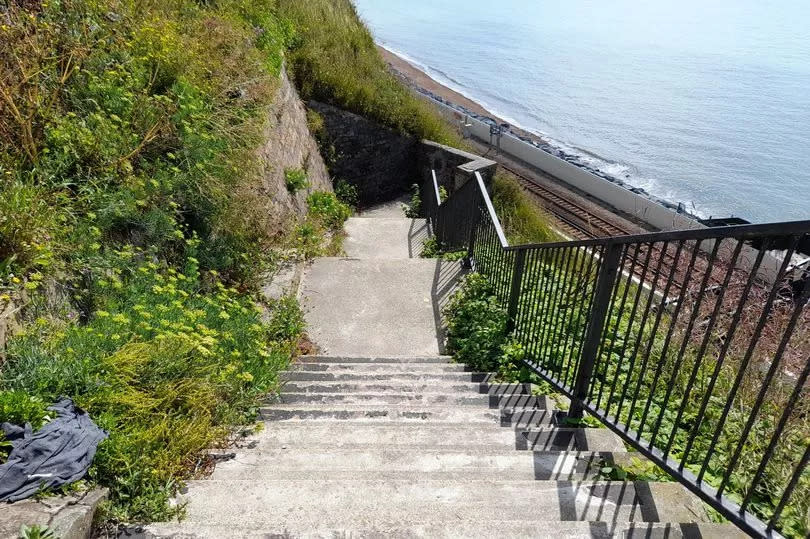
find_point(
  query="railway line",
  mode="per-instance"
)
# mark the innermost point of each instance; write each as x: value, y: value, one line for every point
x: 579, y: 223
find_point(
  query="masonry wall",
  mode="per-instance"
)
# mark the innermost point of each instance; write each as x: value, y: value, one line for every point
x: 379, y: 162
x: 288, y: 144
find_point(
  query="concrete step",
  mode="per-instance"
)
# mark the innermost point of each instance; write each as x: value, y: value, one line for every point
x: 455, y: 529
x: 361, y: 376
x: 426, y: 435
x: 415, y: 399
x: 273, y: 503
x: 382, y: 368
x: 562, y: 439
x: 385, y: 359
x: 406, y: 386
x: 371, y: 462
x: 383, y: 434
x: 407, y: 413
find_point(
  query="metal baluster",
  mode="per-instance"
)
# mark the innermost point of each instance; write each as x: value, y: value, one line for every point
x: 604, y: 285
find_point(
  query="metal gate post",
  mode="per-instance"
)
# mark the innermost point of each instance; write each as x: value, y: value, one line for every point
x: 608, y: 272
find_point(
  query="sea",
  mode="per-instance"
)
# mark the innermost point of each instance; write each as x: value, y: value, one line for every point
x: 700, y: 102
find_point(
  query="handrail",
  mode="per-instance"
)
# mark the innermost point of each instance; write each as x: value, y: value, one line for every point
x: 482, y: 189
x: 745, y: 232
x: 436, y: 189
x: 659, y: 335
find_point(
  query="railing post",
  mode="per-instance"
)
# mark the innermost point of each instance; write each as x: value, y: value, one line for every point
x: 514, y: 291
x: 596, y: 325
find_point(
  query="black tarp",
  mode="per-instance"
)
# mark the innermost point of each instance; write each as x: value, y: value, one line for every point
x: 57, y: 454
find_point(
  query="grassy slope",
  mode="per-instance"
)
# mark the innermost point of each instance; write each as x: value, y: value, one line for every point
x: 522, y: 219
x: 121, y: 127
x: 334, y: 60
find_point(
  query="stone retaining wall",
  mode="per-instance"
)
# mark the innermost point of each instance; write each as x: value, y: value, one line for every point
x: 379, y: 162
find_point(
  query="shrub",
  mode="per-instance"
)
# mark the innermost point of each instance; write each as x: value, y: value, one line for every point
x: 347, y: 193
x: 19, y: 408
x: 476, y: 324
x: 296, y: 179
x: 328, y: 210
x: 432, y: 248
x: 413, y: 209
x: 164, y: 366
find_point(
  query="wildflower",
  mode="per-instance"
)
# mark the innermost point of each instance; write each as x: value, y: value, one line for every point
x: 102, y: 314
x: 224, y: 315
x: 246, y: 376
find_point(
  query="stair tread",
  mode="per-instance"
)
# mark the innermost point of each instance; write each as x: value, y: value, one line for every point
x: 349, y: 499
x: 455, y: 529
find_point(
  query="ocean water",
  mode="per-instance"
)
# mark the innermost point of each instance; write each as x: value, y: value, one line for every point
x: 705, y: 102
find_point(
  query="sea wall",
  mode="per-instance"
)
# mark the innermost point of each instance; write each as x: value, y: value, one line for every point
x: 379, y: 162
x: 645, y: 209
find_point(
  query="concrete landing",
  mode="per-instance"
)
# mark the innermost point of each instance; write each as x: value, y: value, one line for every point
x: 393, y: 208
x: 388, y: 238
x: 377, y: 306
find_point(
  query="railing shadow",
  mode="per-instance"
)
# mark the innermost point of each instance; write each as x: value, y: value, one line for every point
x: 418, y: 232
x: 446, y: 277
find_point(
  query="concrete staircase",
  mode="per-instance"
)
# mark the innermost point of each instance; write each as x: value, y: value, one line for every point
x: 382, y: 436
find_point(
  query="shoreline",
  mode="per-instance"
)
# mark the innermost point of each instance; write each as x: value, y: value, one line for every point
x: 421, y: 82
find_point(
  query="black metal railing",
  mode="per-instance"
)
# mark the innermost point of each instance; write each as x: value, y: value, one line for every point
x: 693, y: 346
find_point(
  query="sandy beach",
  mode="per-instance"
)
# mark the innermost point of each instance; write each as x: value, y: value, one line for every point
x: 416, y: 78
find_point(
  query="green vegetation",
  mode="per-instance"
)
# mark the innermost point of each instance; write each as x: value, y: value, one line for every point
x: 522, y: 219
x: 333, y: 59
x: 413, y: 209
x: 129, y: 231
x: 163, y: 366
x: 295, y: 179
x: 476, y: 324
x: 36, y: 532
x: 432, y: 248
x: 347, y: 193
x: 328, y: 210
x: 321, y: 233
